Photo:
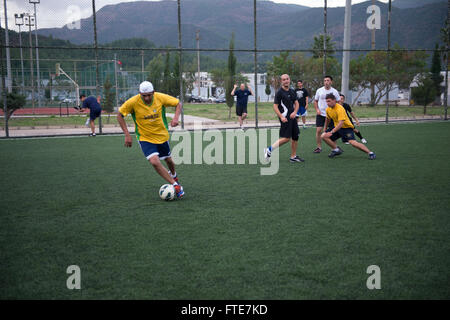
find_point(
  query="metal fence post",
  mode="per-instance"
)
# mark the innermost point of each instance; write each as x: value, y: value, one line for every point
x: 388, y: 61
x: 181, y: 65
x: 97, y: 75
x: 256, y: 64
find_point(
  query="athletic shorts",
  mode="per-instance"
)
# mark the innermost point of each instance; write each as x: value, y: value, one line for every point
x: 320, y: 120
x: 152, y: 149
x: 240, y: 110
x: 345, y: 133
x: 289, y: 129
x: 302, y: 112
x: 94, y: 113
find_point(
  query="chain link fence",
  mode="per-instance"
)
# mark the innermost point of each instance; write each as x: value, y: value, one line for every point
x: 388, y: 82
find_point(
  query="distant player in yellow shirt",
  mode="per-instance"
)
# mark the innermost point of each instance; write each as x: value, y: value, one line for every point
x: 343, y: 129
x: 148, y: 112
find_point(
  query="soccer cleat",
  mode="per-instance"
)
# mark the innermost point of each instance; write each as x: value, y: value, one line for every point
x: 317, y: 150
x: 335, y: 153
x: 267, y: 154
x: 372, y: 156
x: 363, y: 140
x: 179, y: 191
x: 296, y: 159
x: 92, y: 135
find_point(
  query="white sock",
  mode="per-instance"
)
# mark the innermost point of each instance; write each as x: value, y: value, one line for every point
x: 337, y: 149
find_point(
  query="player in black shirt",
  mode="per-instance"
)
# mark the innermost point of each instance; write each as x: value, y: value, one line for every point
x: 303, y: 99
x: 351, y: 114
x: 286, y: 106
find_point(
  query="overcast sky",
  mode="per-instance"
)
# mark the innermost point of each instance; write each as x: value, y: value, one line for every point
x: 54, y: 13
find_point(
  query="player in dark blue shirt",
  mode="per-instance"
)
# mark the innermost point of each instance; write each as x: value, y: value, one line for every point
x: 241, y: 101
x: 93, y: 104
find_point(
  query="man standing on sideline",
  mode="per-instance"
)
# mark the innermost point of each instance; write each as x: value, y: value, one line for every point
x: 95, y: 110
x: 351, y: 114
x: 303, y: 100
x: 241, y: 102
x: 321, y: 105
x: 147, y: 110
x: 286, y: 107
x: 343, y: 129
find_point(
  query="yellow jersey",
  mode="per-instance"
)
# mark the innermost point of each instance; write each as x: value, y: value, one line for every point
x: 149, y: 119
x: 337, y: 114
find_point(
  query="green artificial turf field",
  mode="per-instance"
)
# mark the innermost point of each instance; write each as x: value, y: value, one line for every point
x: 308, y: 232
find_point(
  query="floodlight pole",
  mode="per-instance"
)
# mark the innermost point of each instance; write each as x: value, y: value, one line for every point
x: 19, y: 23
x: 30, y: 19
x: 346, y: 54
x: 34, y: 2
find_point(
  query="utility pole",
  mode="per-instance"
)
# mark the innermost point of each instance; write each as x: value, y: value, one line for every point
x: 346, y: 54
x: 372, y: 86
x: 197, y: 38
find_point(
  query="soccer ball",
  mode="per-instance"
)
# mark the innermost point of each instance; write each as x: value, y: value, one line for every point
x: 167, y: 192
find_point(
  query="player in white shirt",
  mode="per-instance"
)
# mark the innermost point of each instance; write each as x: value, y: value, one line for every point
x: 320, y: 104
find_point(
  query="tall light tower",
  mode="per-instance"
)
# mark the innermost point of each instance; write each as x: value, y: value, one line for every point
x: 35, y: 2
x: 346, y: 47
x: 19, y: 23
x: 29, y: 21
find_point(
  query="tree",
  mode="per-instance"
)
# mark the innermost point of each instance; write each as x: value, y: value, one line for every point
x: 436, y: 72
x: 166, y: 76
x: 371, y: 70
x: 14, y: 101
x: 268, y: 90
x: 317, y: 48
x: 425, y: 93
x: 280, y: 65
x: 155, y: 69
x: 108, y: 97
x: 229, y: 80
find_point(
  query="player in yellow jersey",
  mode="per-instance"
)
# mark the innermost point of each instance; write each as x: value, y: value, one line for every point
x: 148, y: 112
x: 343, y: 129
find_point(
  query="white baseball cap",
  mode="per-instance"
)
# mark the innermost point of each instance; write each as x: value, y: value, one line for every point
x: 146, y: 87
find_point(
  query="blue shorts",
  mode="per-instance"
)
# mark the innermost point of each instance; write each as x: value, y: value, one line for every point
x: 152, y: 149
x: 302, y: 111
x: 94, y: 113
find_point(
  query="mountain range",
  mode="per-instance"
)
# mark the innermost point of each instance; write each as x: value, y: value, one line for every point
x: 415, y: 24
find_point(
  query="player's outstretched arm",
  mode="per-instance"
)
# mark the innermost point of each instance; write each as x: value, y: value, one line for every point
x: 123, y: 125
x: 250, y: 89
x: 316, y: 105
